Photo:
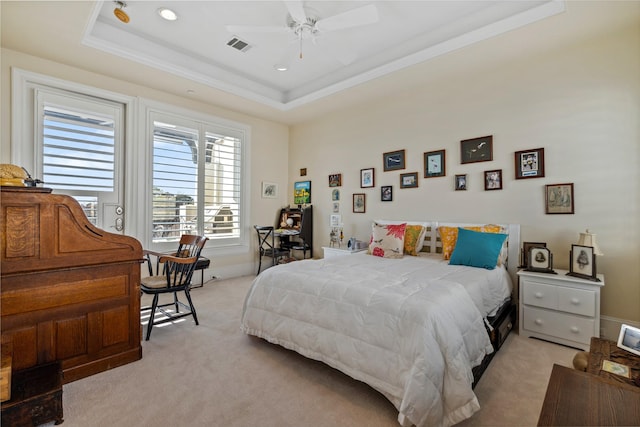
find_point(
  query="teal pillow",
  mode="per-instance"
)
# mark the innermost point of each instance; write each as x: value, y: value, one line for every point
x: 477, y: 249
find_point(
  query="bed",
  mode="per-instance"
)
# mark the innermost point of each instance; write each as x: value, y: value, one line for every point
x: 414, y: 327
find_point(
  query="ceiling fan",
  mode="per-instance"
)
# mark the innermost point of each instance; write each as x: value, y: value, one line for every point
x: 305, y: 23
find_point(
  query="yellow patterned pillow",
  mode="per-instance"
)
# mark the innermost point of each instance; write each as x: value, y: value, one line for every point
x: 449, y: 236
x: 414, y: 239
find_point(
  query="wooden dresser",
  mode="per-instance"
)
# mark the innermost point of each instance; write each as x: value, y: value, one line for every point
x: 70, y: 291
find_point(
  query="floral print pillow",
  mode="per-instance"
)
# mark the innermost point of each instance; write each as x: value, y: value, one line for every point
x: 387, y: 241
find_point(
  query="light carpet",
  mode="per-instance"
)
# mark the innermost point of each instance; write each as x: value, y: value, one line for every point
x: 215, y: 375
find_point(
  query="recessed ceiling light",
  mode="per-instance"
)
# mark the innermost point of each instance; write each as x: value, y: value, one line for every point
x: 280, y: 67
x: 167, y: 14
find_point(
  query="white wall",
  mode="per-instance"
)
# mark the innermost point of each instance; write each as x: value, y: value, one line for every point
x: 269, y: 145
x: 581, y: 104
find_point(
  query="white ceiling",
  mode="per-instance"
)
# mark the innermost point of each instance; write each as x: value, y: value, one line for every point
x: 195, y: 45
x: 36, y: 32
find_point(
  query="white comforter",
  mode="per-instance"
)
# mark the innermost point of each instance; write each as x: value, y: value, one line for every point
x: 407, y: 327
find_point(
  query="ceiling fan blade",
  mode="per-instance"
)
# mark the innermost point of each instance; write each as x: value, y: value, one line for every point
x: 296, y: 10
x: 351, y: 18
x: 256, y: 29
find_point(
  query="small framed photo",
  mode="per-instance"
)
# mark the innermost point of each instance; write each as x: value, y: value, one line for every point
x: 335, y: 180
x: 526, y: 247
x: 476, y: 150
x: 303, y: 172
x: 409, y: 180
x: 493, y: 180
x: 335, y: 207
x: 335, y: 221
x: 540, y: 259
x: 302, y: 192
x: 386, y: 193
x: 367, y: 178
x: 629, y: 339
x: 359, y: 203
x: 559, y: 199
x: 335, y: 195
x: 269, y: 190
x: 530, y: 163
x: 434, y: 164
x: 582, y: 262
x: 393, y: 160
x: 461, y: 182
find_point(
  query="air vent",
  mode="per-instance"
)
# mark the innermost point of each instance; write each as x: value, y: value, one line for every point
x: 238, y: 44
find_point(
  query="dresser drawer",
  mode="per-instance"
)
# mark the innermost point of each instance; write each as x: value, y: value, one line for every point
x: 540, y: 295
x: 556, y: 324
x: 578, y: 301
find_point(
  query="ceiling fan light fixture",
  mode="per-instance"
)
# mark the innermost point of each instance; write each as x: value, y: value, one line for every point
x: 167, y: 14
x: 119, y: 13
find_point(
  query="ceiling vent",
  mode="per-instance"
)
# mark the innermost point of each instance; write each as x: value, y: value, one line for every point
x: 238, y: 44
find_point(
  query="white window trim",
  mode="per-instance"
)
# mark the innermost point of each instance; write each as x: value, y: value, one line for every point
x: 145, y: 151
x: 23, y: 128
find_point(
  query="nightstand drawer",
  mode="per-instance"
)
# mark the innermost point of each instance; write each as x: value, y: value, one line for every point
x: 560, y: 325
x: 578, y: 301
x: 540, y: 295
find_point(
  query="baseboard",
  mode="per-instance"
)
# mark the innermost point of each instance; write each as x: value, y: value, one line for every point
x: 610, y: 327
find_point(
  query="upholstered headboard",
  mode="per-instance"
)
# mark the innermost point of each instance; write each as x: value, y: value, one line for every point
x: 433, y: 243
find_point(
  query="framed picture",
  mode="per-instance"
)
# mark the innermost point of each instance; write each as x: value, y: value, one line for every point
x: 335, y: 180
x: 493, y: 180
x: 434, y: 164
x: 366, y: 178
x: 335, y: 207
x: 461, y: 182
x: 582, y: 262
x: 303, y: 172
x: 530, y: 163
x: 335, y: 221
x: 476, y: 150
x: 540, y: 259
x: 386, y: 193
x: 359, y: 205
x: 335, y: 195
x: 393, y: 160
x: 629, y: 339
x: 409, y: 180
x: 269, y: 190
x: 559, y: 199
x: 526, y: 247
x: 302, y: 192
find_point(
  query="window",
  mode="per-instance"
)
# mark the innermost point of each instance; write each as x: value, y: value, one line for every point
x: 196, y: 178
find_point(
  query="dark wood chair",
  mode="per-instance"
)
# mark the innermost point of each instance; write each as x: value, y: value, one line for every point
x: 172, y: 274
x: 267, y: 246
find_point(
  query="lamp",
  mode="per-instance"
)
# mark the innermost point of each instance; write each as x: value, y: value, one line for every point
x: 119, y: 13
x: 589, y: 239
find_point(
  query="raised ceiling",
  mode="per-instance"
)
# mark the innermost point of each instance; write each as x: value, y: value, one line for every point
x: 195, y: 46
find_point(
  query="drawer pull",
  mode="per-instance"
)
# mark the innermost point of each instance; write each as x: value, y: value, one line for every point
x: 575, y: 329
x: 538, y: 322
x: 538, y: 295
x: 575, y: 301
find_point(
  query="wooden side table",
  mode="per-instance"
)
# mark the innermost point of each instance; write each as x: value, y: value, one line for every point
x: 601, y: 350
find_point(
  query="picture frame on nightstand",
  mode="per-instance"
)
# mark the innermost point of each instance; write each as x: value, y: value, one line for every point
x: 629, y: 339
x: 540, y: 260
x: 582, y: 263
x: 526, y: 247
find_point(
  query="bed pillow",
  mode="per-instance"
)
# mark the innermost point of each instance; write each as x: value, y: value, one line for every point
x: 477, y: 249
x: 449, y: 235
x: 387, y: 241
x: 414, y: 239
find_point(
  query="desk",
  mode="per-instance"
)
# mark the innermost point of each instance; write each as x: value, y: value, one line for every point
x: 601, y: 350
x: 576, y: 398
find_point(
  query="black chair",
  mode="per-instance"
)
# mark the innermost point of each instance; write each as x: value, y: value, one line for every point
x: 172, y: 274
x: 267, y: 246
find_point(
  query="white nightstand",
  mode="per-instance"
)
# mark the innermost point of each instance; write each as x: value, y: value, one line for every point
x: 559, y: 308
x: 331, y: 252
